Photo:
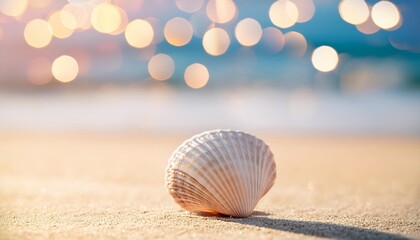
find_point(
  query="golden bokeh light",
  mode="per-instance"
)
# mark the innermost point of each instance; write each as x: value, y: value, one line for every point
x: 306, y: 9
x: 248, y: 32
x: 123, y: 24
x: 161, y: 67
x: 80, y: 13
x: 139, y: 33
x: 221, y: 11
x: 39, y: 3
x: 68, y: 19
x: 13, y: 8
x: 38, y: 33
x: 295, y: 43
x: 216, y: 41
x: 178, y: 31
x: 196, y: 76
x: 106, y: 18
x: 283, y: 13
x: 272, y: 40
x: 58, y: 28
x: 189, y: 6
x: 65, y: 68
x: 368, y: 27
x: 325, y: 59
x: 386, y: 15
x: 39, y: 71
x: 354, y: 11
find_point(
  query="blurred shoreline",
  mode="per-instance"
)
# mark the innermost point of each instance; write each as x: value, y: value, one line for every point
x: 161, y: 108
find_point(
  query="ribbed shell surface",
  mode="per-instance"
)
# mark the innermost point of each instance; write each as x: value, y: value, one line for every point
x: 221, y: 171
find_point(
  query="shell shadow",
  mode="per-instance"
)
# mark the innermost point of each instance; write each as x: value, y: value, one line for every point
x: 311, y: 228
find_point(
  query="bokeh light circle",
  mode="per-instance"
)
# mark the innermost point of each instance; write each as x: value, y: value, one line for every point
x: 216, y: 41
x: 58, y: 27
x: 295, y: 44
x: 306, y: 9
x: 139, y: 33
x: 325, y: 59
x: 178, y: 31
x: 385, y: 15
x: 161, y: 67
x: 354, y: 11
x: 196, y: 75
x: 13, y: 8
x: 272, y: 40
x: 105, y: 18
x: 39, y: 71
x: 189, y: 6
x: 283, y: 13
x: 38, y: 33
x: 248, y: 32
x: 65, y: 68
x: 221, y: 11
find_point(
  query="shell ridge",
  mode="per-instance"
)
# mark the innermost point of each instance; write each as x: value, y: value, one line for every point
x: 252, y: 170
x: 236, y: 160
x: 219, y: 178
x: 272, y: 175
x: 246, y: 181
x: 201, y: 177
x: 222, y: 150
x: 240, y: 164
x: 201, y: 196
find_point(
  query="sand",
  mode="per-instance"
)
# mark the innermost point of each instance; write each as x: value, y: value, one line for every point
x: 105, y: 186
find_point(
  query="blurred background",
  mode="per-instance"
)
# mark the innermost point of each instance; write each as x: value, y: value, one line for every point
x: 287, y: 66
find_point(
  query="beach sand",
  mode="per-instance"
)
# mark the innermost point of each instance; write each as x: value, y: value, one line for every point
x: 104, y: 186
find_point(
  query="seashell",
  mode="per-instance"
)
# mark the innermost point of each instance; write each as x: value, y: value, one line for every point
x: 221, y: 172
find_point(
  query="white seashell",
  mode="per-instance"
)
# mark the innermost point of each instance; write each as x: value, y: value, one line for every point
x: 221, y: 171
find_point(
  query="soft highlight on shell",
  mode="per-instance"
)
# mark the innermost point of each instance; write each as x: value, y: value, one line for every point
x: 221, y: 172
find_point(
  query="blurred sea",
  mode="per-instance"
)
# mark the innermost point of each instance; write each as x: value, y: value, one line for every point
x: 165, y: 109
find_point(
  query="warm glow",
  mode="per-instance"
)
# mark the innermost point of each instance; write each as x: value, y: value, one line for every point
x: 216, y: 41
x: 80, y: 13
x: 68, y: 19
x: 38, y: 33
x: 39, y: 3
x: 306, y: 9
x: 354, y: 11
x: 13, y: 8
x: 178, y: 31
x: 57, y: 26
x: 272, y: 40
x: 139, y: 33
x: 39, y: 71
x: 295, y: 43
x: 325, y: 59
x: 65, y: 69
x: 161, y: 67
x: 189, y: 6
x: 124, y: 22
x: 221, y: 11
x: 283, y: 13
x: 196, y: 75
x: 386, y: 15
x: 106, y: 18
x: 248, y: 32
